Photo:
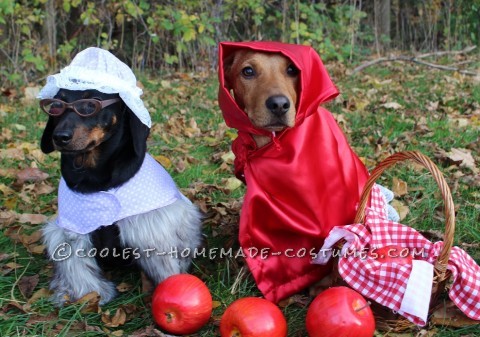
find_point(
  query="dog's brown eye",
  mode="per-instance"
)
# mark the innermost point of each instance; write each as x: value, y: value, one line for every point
x: 248, y: 72
x: 54, y: 108
x: 87, y: 107
x: 292, y: 70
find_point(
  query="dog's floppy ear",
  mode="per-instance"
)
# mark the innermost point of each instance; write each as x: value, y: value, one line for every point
x: 227, y: 70
x: 46, y: 144
x: 139, y: 132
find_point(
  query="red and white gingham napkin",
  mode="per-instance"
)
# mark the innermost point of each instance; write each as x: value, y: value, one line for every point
x: 403, y: 288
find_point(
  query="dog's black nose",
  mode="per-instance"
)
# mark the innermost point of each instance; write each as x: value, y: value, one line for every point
x: 62, y: 137
x: 278, y: 104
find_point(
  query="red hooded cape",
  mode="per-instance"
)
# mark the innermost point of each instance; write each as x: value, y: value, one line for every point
x: 302, y: 184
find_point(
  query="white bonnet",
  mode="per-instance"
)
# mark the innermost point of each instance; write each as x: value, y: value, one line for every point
x: 96, y: 68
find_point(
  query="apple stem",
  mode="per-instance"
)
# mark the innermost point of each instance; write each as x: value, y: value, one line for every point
x: 169, y: 317
x: 361, y: 308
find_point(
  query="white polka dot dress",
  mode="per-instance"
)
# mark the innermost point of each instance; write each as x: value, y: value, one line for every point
x: 151, y: 188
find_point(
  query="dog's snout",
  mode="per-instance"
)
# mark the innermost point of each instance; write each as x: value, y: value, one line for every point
x: 278, y: 104
x: 62, y: 137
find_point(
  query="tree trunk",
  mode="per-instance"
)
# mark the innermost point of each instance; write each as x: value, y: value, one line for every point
x: 382, y: 24
x: 51, y: 27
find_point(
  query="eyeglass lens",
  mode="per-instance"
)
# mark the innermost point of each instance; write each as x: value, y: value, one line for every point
x: 83, y: 107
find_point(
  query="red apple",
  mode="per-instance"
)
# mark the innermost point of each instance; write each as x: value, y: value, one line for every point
x: 181, y: 304
x: 340, y: 311
x: 253, y: 317
x: 391, y: 253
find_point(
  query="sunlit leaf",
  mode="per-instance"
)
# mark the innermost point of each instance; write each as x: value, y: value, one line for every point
x: 34, y: 219
x: 399, y: 187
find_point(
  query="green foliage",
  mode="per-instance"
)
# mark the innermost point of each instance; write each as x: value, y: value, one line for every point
x: 6, y: 9
x: 466, y: 22
x: 170, y: 35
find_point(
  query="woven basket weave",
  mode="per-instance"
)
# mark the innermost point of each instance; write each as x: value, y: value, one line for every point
x: 386, y: 320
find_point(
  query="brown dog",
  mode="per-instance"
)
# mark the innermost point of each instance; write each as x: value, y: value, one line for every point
x: 265, y: 86
x: 306, y: 180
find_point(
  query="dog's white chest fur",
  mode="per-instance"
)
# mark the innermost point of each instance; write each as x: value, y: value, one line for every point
x: 151, y: 188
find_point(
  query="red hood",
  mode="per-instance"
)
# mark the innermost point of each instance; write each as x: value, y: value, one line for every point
x: 300, y: 186
x: 315, y: 84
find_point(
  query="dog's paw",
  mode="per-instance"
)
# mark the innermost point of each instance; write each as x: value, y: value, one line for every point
x: 63, y: 294
x: 59, y: 298
x: 107, y: 293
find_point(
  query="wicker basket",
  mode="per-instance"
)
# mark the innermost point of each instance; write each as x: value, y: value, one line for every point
x: 386, y: 319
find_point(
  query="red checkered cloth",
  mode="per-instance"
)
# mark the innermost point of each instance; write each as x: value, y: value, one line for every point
x: 404, y: 288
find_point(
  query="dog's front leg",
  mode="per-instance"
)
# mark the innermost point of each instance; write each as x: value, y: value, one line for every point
x: 76, y: 274
x: 163, y: 241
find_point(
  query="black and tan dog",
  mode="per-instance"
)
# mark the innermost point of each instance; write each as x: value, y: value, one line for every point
x: 99, y: 151
x: 117, y: 205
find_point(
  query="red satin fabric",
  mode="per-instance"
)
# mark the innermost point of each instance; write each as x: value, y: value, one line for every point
x: 302, y: 184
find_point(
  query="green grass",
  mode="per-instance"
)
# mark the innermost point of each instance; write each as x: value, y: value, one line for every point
x: 194, y: 161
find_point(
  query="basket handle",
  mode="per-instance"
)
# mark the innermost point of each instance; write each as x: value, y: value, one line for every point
x: 442, y: 261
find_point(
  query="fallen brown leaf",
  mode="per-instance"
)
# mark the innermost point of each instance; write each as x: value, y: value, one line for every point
x: 12, y: 154
x: 7, y: 218
x: 392, y: 105
x: 432, y: 106
x: 41, y: 189
x: 15, y: 305
x: 192, y: 130
x: 27, y: 284
x: 37, y: 155
x: 426, y: 333
x: 36, y: 249
x: 93, y: 328
x: 10, y: 203
x: 6, y: 135
x: 117, y: 333
x: 118, y: 319
x: 30, y: 239
x: 25, y: 195
x: 90, y: 302
x: 8, y: 172
x: 232, y: 184
x: 216, y: 304
x: 180, y: 165
x: 6, y: 190
x: 399, y: 187
x: 34, y: 219
x: 13, y: 265
x: 228, y: 157
x: 164, y: 161
x: 13, y: 232
x: 299, y: 300
x: 39, y: 294
x: 32, y: 175
x: 401, y: 208
x: 130, y: 308
x: 463, y: 158
x: 34, y: 319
